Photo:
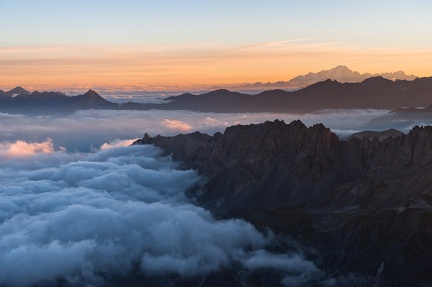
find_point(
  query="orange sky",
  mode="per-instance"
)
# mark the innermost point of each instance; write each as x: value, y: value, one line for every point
x: 62, y: 67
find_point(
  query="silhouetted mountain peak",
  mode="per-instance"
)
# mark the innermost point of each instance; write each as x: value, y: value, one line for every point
x: 377, y: 80
x: 221, y: 91
x: 93, y: 100
x: 323, y: 84
x: 92, y: 94
x: 18, y: 91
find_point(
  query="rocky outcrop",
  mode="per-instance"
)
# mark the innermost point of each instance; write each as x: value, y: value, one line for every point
x: 363, y: 203
x: 271, y: 158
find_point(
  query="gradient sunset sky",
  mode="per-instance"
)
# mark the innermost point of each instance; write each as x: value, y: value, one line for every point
x: 55, y: 44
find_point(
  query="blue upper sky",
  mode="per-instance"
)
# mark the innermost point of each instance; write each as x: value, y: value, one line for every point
x: 47, y: 22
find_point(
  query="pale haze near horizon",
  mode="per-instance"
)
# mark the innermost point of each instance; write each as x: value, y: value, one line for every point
x: 58, y: 44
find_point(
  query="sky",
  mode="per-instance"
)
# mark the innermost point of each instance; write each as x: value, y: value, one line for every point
x: 158, y: 44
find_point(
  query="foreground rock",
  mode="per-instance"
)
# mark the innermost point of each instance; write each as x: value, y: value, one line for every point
x: 364, y: 204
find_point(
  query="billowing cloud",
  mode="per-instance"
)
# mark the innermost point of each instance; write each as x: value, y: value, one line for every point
x: 85, y: 217
x: 176, y: 125
x: 117, y: 143
x: 122, y: 209
x: 22, y: 148
x: 86, y: 130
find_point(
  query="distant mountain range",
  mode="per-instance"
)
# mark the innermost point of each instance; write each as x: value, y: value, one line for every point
x: 20, y: 101
x: 375, y: 93
x: 403, y: 117
x: 341, y: 74
x: 372, y: 93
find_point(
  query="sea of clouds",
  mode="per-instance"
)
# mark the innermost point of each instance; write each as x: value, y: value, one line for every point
x: 79, y: 204
x: 85, y: 130
x: 86, y: 217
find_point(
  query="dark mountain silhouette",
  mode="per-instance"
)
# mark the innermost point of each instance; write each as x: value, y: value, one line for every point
x: 17, y: 91
x: 402, y: 117
x: 54, y: 103
x: 375, y: 92
x: 381, y: 135
x: 341, y: 74
x: 92, y: 100
x: 364, y: 205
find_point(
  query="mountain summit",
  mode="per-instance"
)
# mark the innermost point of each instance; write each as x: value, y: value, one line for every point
x: 340, y: 73
x: 17, y: 91
x: 92, y: 100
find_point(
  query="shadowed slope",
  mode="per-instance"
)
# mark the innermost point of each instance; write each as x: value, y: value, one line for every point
x: 363, y: 203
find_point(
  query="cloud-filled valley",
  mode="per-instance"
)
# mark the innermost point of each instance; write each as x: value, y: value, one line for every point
x: 215, y: 143
x: 86, y: 217
x: 89, y: 129
x: 81, y: 206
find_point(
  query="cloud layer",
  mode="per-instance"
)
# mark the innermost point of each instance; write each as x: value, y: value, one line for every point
x: 22, y: 148
x: 85, y: 130
x: 86, y: 217
x: 75, y: 196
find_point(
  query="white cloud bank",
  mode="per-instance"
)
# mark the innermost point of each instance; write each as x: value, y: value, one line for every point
x: 21, y: 148
x: 83, y: 217
x: 86, y: 216
x: 85, y: 130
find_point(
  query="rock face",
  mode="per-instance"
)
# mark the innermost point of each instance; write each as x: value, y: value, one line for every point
x: 364, y: 204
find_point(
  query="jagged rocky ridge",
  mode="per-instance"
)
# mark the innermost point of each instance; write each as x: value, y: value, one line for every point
x: 364, y: 204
